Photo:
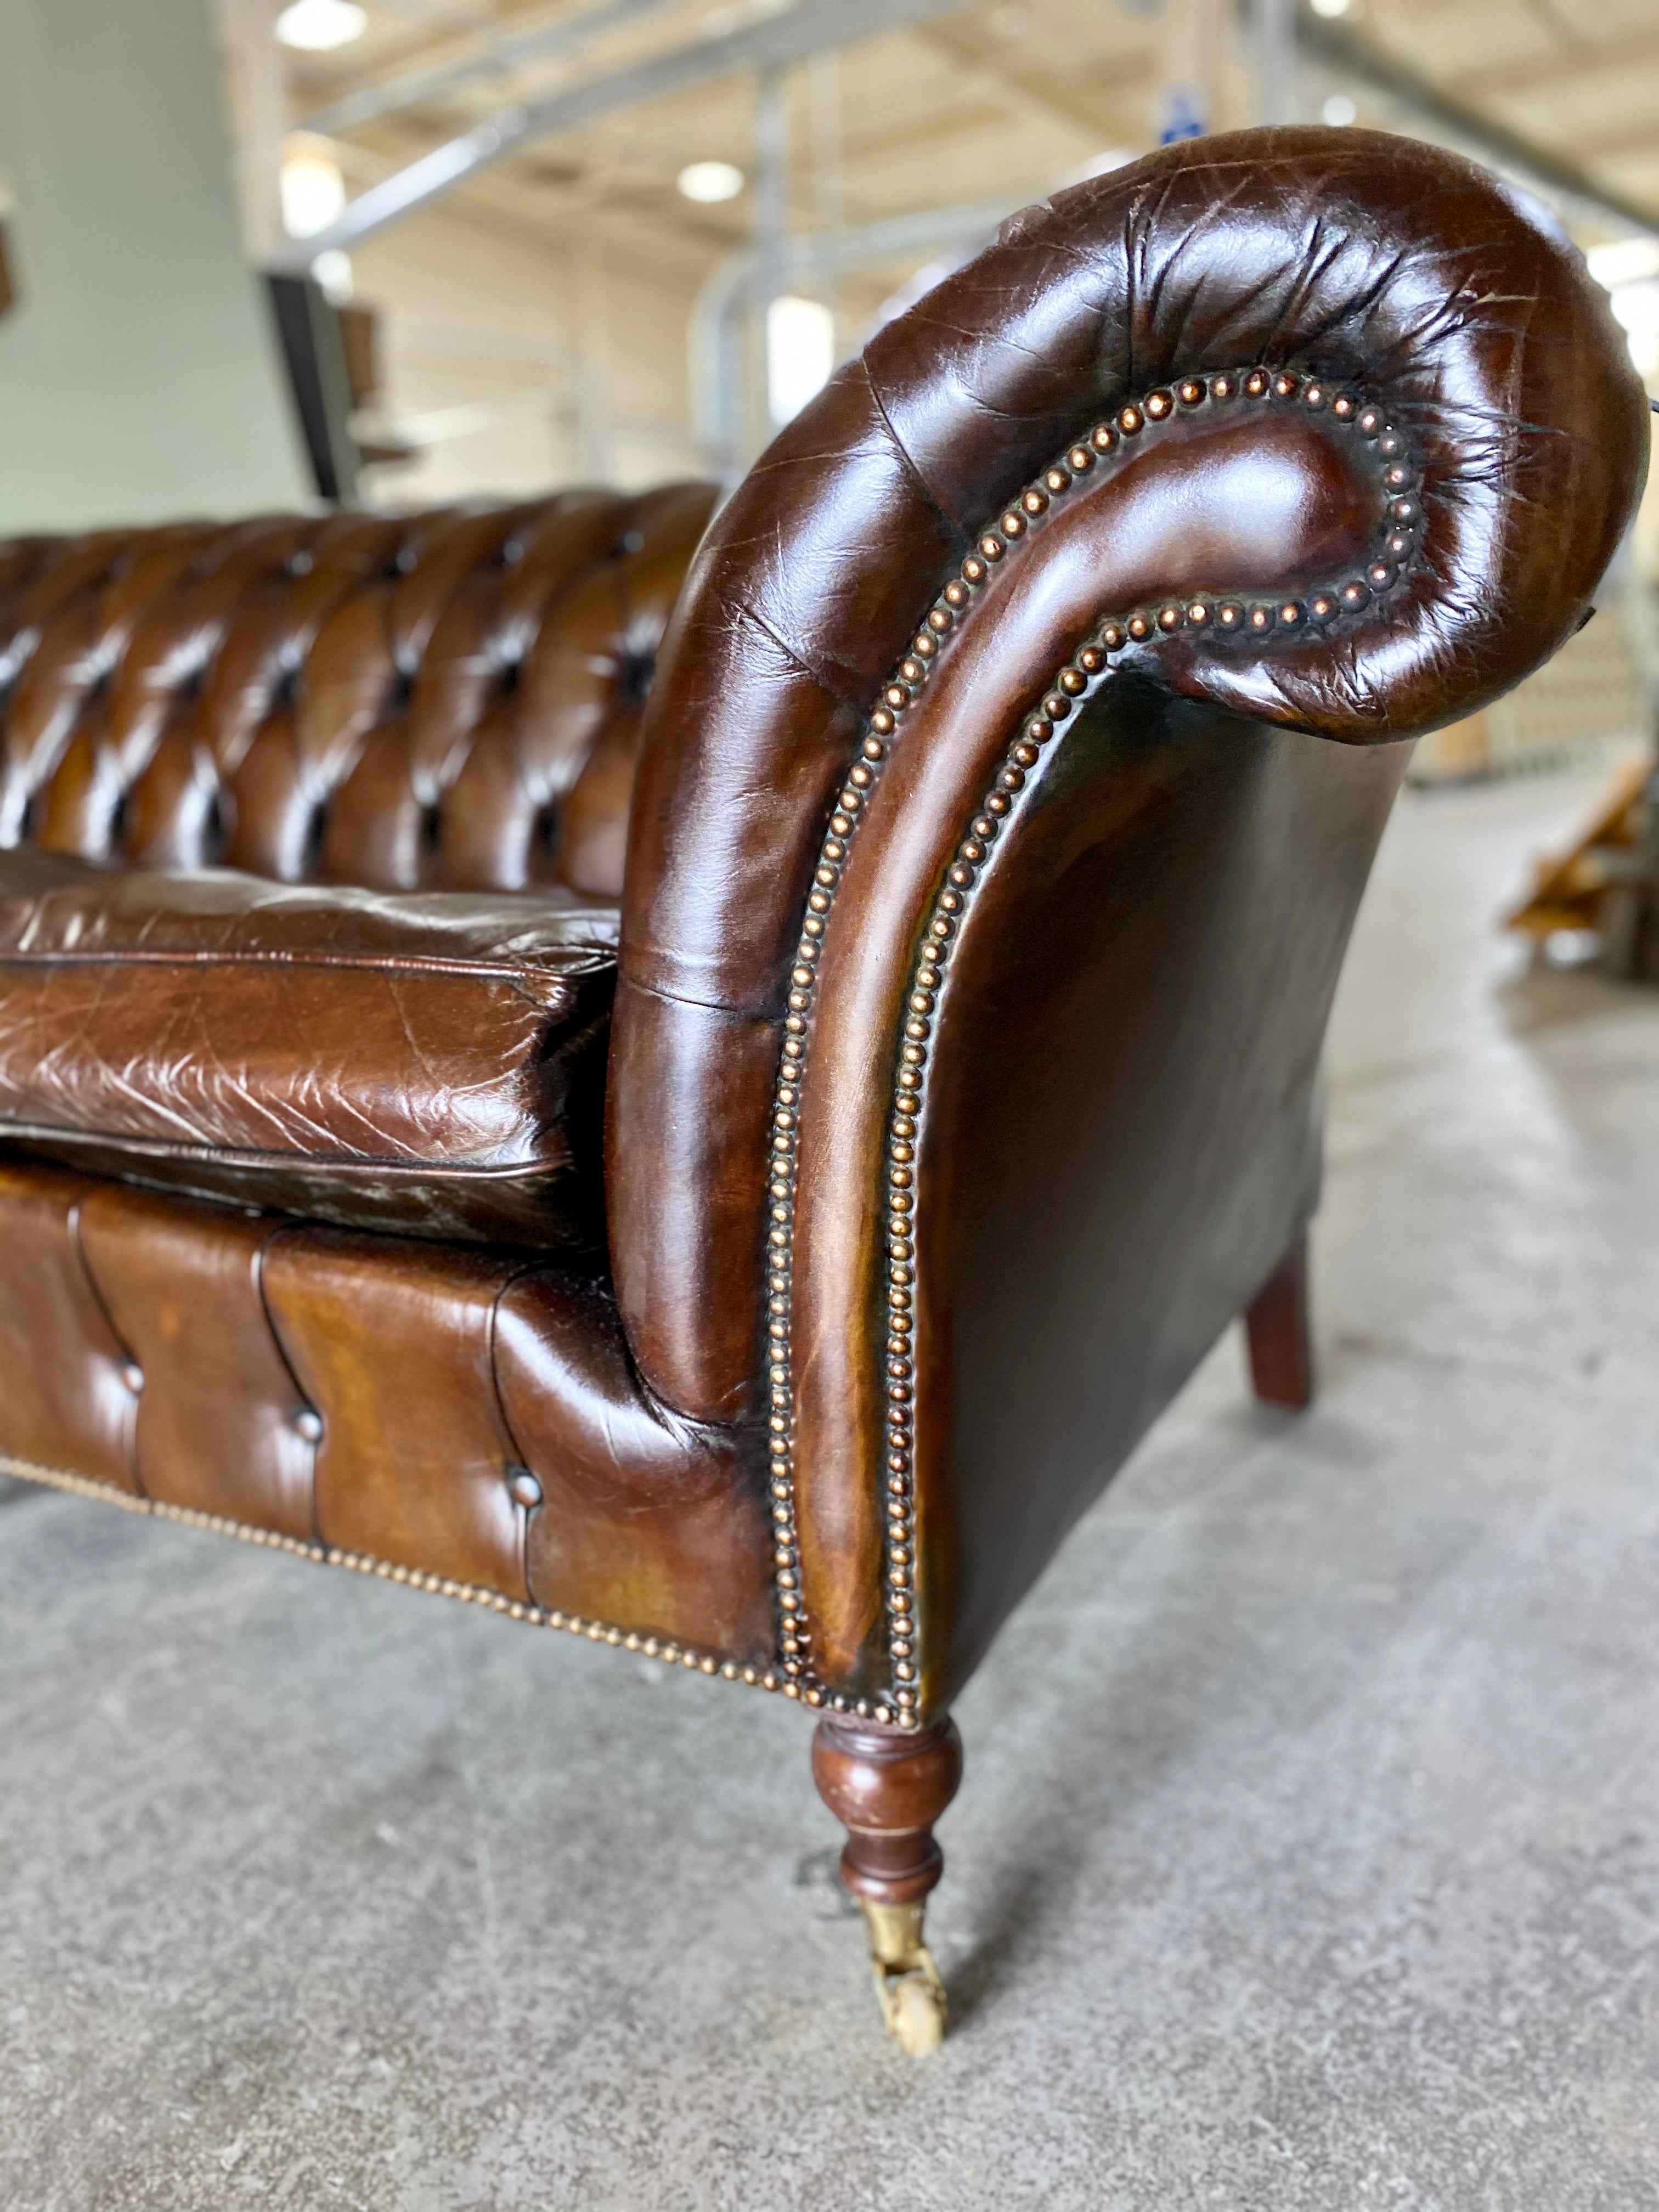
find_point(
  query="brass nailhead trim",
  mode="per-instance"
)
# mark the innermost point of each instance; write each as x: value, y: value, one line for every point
x: 671, y: 1654
x: 1089, y: 667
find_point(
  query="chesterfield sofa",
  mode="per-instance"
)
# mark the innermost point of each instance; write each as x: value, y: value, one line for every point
x: 700, y: 1082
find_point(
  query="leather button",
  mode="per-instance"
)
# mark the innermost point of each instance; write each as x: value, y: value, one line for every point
x: 308, y: 1424
x: 133, y: 1375
x: 523, y: 1487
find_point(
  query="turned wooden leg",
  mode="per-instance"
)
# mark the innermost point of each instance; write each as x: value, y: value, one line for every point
x: 1277, y: 1324
x: 887, y: 1787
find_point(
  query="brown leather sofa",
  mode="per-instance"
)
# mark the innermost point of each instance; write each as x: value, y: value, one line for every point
x: 758, y: 1250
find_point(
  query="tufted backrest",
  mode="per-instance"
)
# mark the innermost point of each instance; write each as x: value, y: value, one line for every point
x: 448, y: 700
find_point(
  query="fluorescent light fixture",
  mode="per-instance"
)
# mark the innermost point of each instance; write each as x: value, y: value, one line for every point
x: 1339, y: 109
x: 312, y: 191
x: 710, y: 180
x: 1624, y: 261
x: 1637, y: 307
x: 317, y: 26
x: 800, y: 352
x: 1331, y: 7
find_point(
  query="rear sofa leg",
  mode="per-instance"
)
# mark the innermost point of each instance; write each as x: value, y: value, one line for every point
x: 1276, y: 1320
x: 887, y: 1786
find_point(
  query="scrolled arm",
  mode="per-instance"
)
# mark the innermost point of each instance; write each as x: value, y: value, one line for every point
x: 1287, y: 435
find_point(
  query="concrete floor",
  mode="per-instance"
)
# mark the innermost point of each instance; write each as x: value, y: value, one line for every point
x: 1308, y: 1858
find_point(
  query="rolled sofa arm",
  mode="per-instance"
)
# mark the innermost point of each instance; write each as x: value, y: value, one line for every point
x: 1314, y: 431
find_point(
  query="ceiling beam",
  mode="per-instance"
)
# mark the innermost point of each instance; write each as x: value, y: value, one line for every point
x: 808, y: 28
x: 415, y: 86
x: 1360, y: 59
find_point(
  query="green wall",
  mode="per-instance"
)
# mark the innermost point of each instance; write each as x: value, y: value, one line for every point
x: 138, y: 377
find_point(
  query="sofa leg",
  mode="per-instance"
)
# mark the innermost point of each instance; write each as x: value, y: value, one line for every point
x: 887, y: 1787
x: 1276, y: 1320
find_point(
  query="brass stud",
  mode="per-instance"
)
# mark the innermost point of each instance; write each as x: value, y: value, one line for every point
x: 1289, y: 614
x: 1079, y: 461
x: 1198, y: 612
x: 1159, y: 404
x: 1034, y: 501
x: 1285, y: 386
x: 1380, y: 575
x: 1102, y: 438
x: 1229, y: 614
x: 940, y: 619
x: 956, y: 594
x: 1091, y: 660
x: 1112, y: 637
x: 1354, y: 593
x: 1223, y: 388
x: 1314, y: 396
x: 1072, y: 681
x: 1129, y: 421
x: 1013, y: 524
x: 1321, y: 607
x: 1190, y: 390
x: 1261, y: 618
x: 1056, y: 480
x: 1256, y: 383
x: 1169, y: 618
x: 1368, y: 422
x: 992, y: 548
x: 1140, y: 627
x: 1342, y: 406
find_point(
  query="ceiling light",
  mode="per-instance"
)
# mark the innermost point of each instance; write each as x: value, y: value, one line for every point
x: 710, y: 180
x: 1339, y: 109
x: 316, y: 26
x: 1331, y: 7
x: 312, y: 191
x: 332, y: 270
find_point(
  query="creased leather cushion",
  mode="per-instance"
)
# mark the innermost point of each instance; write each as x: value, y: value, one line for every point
x: 433, y: 1063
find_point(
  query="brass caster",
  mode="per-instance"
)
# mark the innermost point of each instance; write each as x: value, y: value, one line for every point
x: 908, y: 1985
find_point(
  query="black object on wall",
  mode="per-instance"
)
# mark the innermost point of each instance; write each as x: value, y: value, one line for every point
x: 313, y: 350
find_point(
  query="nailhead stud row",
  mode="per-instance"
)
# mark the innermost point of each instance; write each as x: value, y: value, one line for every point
x: 666, y: 1649
x: 1227, y: 616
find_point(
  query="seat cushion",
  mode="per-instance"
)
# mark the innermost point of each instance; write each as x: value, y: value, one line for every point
x: 431, y: 1063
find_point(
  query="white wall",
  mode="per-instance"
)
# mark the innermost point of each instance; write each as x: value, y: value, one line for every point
x: 525, y: 365
x: 138, y: 374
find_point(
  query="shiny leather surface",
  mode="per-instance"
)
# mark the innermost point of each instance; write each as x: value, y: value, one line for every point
x: 380, y: 1394
x: 974, y: 1304
x: 1367, y: 260
x: 432, y: 1062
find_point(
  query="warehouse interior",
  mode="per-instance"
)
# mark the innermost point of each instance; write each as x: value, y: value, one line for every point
x: 1312, y: 1853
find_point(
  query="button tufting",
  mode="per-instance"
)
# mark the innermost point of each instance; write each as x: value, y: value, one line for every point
x: 308, y: 1424
x: 523, y: 1487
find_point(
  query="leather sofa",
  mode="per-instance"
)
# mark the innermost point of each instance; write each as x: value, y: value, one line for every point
x: 700, y: 1085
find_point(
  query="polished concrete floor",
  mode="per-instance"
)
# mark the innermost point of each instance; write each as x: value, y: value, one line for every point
x: 1309, y: 1857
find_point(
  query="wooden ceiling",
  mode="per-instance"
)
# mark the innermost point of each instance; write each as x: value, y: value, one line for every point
x: 1003, y: 99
